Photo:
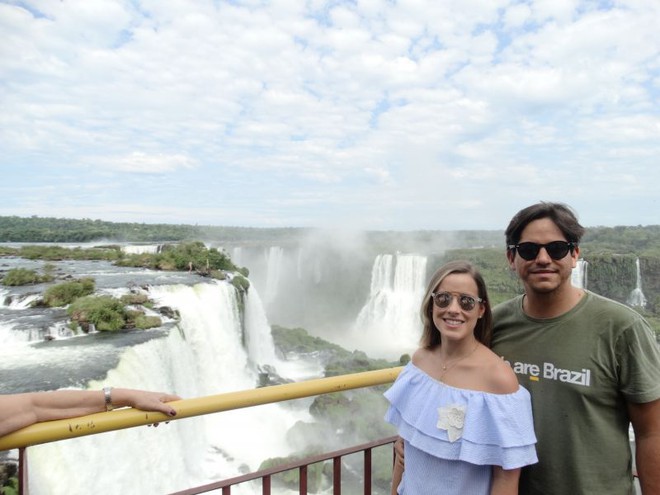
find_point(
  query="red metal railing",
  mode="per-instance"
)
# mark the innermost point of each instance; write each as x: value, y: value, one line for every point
x: 301, y: 465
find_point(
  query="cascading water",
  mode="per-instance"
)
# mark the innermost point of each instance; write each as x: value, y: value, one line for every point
x: 579, y: 274
x: 274, y: 257
x: 142, y: 248
x: 389, y: 324
x: 637, y: 297
x: 202, y: 355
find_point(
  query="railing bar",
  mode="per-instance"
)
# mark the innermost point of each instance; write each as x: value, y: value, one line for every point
x: 265, y: 485
x: 336, y: 475
x: 93, y: 424
x: 303, y: 480
x: 285, y: 467
x: 367, y: 472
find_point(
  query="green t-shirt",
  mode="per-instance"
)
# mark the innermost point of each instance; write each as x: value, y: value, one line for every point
x: 580, y: 369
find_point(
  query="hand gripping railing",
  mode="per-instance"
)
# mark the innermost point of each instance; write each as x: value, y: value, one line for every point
x: 62, y: 429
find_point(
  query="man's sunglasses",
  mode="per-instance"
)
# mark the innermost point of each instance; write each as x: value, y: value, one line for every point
x: 555, y: 249
x: 443, y: 299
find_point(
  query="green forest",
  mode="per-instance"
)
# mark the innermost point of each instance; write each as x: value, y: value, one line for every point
x: 637, y: 240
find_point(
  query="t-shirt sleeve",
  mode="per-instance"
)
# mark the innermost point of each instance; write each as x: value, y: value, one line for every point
x: 639, y: 363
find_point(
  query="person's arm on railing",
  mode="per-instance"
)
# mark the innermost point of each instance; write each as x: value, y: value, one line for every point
x: 20, y: 410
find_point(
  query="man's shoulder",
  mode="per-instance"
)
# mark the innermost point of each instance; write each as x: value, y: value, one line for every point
x: 606, y: 307
x: 506, y: 307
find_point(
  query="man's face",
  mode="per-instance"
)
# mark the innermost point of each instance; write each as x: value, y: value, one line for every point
x: 543, y: 274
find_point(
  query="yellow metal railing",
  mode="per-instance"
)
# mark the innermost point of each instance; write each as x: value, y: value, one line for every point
x: 62, y: 429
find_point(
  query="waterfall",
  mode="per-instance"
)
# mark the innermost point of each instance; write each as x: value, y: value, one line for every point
x: 142, y: 248
x: 259, y: 340
x: 17, y: 301
x: 579, y: 274
x: 3, y: 295
x: 389, y: 325
x: 636, y: 297
x: 202, y: 355
x: 274, y: 256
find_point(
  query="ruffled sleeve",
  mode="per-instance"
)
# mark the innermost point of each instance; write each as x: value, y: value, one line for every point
x: 458, y: 424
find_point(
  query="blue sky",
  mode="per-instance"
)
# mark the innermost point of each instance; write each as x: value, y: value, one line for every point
x: 381, y: 115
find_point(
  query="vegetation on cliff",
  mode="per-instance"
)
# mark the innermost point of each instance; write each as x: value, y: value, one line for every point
x: 340, y: 419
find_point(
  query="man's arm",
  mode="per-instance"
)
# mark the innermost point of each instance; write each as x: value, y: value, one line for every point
x: 645, y: 419
x: 505, y: 481
x: 397, y: 470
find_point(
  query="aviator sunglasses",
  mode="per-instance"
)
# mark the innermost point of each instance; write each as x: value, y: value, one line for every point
x: 443, y: 299
x: 555, y: 249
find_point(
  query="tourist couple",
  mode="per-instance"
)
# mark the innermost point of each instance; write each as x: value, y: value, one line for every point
x: 589, y: 367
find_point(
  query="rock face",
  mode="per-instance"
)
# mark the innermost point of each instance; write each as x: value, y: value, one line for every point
x: 615, y: 276
x: 650, y: 270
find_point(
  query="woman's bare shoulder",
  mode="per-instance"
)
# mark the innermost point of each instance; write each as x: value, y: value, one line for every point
x: 501, y: 378
x: 420, y: 356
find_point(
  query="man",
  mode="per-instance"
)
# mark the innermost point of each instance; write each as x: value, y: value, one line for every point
x: 591, y: 365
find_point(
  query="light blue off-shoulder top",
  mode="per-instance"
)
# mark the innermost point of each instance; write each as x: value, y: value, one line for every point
x: 453, y: 436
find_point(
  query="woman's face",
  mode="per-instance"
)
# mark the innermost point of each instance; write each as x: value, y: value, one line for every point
x: 456, y: 322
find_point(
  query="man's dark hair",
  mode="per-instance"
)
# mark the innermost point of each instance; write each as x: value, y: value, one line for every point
x: 561, y: 214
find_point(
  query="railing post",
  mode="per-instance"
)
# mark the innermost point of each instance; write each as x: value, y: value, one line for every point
x: 265, y: 485
x: 367, y: 472
x: 336, y: 475
x: 22, y: 472
x: 302, y: 482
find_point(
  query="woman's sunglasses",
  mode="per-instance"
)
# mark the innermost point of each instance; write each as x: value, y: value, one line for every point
x: 530, y: 250
x: 443, y: 299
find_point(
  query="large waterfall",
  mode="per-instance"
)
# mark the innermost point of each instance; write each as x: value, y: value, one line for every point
x: 202, y: 355
x: 389, y: 324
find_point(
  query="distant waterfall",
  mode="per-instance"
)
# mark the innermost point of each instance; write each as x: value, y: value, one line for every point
x: 274, y: 256
x: 389, y: 324
x: 636, y: 297
x: 202, y: 356
x: 579, y: 274
x: 142, y: 248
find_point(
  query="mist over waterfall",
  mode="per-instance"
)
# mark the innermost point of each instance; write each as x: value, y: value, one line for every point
x: 637, y: 297
x: 204, y: 354
x: 389, y: 324
x: 319, y: 284
x: 274, y: 257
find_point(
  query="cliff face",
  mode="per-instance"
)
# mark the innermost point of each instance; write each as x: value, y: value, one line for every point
x: 615, y: 276
x: 650, y: 269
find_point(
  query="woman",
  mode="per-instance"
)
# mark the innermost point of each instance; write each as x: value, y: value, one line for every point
x: 20, y: 410
x: 465, y: 422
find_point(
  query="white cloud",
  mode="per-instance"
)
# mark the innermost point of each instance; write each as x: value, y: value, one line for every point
x: 317, y: 110
x: 143, y: 163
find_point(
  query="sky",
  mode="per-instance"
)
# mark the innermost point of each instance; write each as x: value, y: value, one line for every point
x: 367, y: 114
